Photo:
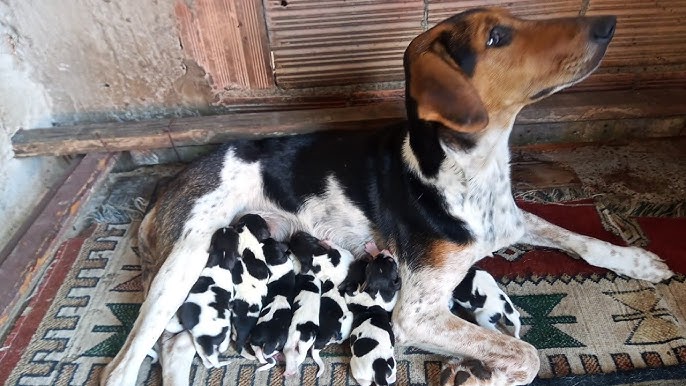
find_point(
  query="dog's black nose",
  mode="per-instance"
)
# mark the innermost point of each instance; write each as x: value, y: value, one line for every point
x: 602, y: 29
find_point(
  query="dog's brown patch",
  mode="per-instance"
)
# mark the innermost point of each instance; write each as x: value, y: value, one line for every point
x: 442, y: 253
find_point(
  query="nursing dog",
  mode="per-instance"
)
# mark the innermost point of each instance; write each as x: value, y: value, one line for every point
x: 434, y: 190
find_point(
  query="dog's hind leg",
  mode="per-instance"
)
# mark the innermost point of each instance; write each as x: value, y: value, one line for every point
x: 630, y: 261
x: 178, y: 352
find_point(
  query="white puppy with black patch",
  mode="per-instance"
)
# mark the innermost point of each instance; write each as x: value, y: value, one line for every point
x: 479, y: 295
x: 371, y: 300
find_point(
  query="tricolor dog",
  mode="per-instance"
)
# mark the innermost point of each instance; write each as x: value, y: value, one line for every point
x: 435, y: 190
x: 479, y: 295
x: 250, y: 276
x: 270, y: 334
x: 371, y: 340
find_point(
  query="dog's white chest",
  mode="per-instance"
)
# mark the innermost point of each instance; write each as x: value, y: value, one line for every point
x: 483, y: 199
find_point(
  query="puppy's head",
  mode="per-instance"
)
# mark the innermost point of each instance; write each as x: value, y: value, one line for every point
x: 275, y: 253
x: 224, y: 249
x: 486, y: 64
x: 305, y: 246
x: 255, y: 224
x: 381, y: 275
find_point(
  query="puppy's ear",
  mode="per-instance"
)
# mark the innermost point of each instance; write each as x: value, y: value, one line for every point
x: 442, y: 91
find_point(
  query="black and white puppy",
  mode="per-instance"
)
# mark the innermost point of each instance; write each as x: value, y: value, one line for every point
x: 371, y: 339
x: 305, y: 324
x: 206, y: 313
x: 271, y: 332
x: 335, y: 319
x: 479, y: 296
x: 250, y: 278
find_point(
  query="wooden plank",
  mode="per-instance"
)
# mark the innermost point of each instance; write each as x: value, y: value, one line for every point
x: 26, y: 263
x: 324, y: 43
x: 228, y: 39
x: 558, y: 109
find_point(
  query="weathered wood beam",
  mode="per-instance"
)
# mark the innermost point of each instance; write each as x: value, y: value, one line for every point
x: 560, y: 109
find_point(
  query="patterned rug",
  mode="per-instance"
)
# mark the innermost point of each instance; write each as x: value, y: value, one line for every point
x: 591, y: 327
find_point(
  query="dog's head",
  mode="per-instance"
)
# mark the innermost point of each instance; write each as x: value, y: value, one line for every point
x: 485, y: 65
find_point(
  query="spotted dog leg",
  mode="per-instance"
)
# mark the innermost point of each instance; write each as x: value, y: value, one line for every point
x: 630, y: 261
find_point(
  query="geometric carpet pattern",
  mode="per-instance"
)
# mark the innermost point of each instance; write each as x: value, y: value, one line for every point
x: 590, y: 326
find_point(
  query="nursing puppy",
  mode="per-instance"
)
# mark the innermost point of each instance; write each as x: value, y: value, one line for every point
x: 206, y: 313
x: 372, y: 340
x: 250, y: 278
x: 271, y: 332
x: 479, y: 295
x: 335, y: 319
x: 305, y: 324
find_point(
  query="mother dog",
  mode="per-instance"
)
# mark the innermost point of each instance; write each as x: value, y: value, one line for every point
x: 434, y: 190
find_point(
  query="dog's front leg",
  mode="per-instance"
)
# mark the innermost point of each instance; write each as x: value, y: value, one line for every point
x: 422, y: 318
x: 167, y: 292
x: 630, y: 261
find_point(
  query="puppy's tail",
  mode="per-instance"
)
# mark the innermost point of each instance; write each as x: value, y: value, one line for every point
x: 318, y: 360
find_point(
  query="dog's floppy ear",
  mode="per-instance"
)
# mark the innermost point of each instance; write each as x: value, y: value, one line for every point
x: 443, y: 92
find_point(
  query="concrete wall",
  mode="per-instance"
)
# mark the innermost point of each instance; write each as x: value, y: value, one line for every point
x: 64, y: 62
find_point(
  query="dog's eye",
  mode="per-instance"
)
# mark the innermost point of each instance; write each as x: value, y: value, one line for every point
x: 499, y: 36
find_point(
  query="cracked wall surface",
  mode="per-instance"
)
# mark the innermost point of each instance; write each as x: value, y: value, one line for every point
x: 65, y: 62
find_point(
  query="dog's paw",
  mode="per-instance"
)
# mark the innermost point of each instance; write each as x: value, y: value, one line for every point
x: 638, y: 263
x: 470, y: 372
x: 648, y: 266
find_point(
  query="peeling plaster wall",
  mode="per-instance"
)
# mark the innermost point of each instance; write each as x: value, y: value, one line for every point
x: 64, y: 62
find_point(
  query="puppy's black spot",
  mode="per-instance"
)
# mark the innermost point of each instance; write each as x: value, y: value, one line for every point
x: 335, y: 257
x: 330, y: 314
x: 237, y: 274
x: 307, y: 330
x: 202, y: 285
x: 222, y: 299
x: 307, y: 284
x: 327, y: 286
x: 507, y: 306
x: 256, y: 268
x: 254, y: 308
x: 495, y: 317
x: 189, y: 315
x: 210, y: 343
x: 381, y: 371
x: 364, y: 346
